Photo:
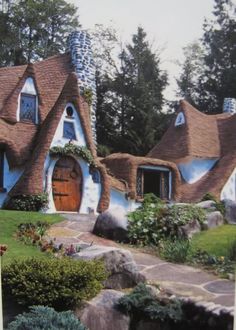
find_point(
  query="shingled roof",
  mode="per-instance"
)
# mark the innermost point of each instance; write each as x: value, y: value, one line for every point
x: 28, y: 144
x: 201, y: 137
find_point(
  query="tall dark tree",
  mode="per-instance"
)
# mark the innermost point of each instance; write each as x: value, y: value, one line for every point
x: 191, y: 70
x: 136, y: 97
x: 34, y: 29
x: 219, y: 40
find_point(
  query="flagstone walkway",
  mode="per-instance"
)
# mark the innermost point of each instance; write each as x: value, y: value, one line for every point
x: 180, y: 280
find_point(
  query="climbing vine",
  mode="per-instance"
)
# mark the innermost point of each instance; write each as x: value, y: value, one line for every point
x: 88, y: 95
x: 74, y: 150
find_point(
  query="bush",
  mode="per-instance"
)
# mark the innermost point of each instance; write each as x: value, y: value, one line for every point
x: 45, y: 318
x: 232, y: 251
x: 154, y: 221
x: 27, y: 202
x: 218, y: 204
x: 141, y: 303
x: 175, y: 251
x: 59, y: 283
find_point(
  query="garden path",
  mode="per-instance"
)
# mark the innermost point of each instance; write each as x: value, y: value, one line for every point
x: 180, y: 280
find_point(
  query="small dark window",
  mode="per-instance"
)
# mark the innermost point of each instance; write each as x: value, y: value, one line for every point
x: 28, y: 108
x: 69, y: 111
x: 69, y: 131
x: 96, y: 176
x: 1, y: 169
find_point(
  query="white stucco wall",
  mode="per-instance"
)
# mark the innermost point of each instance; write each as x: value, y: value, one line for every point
x: 229, y: 189
x: 118, y: 200
x: 196, y: 169
x: 59, y: 140
x: 28, y: 88
x: 91, y: 191
x: 10, y: 179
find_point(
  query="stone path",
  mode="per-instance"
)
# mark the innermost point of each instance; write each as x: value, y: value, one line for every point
x: 180, y: 280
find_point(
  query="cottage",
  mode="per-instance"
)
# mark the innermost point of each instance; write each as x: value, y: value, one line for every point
x: 48, y: 143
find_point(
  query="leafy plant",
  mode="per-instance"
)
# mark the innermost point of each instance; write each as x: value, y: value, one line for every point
x: 72, y: 149
x: 142, y: 303
x: 59, y: 283
x: 175, y: 250
x: 209, y: 197
x: 88, y: 95
x: 232, y: 250
x: 27, y: 202
x: 154, y: 221
x: 45, y: 318
x: 31, y: 233
x: 218, y: 204
x: 221, y: 265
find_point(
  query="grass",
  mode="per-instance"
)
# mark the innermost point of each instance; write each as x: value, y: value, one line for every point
x: 9, y: 221
x: 215, y: 241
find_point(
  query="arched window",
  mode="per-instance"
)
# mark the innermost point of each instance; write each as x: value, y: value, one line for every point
x: 28, y: 103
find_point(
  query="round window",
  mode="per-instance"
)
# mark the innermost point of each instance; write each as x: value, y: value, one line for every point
x: 69, y: 111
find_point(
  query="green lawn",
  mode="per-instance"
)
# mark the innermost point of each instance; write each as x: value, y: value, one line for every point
x: 9, y: 220
x: 215, y: 241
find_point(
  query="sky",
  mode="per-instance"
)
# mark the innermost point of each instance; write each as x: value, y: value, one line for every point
x: 170, y: 24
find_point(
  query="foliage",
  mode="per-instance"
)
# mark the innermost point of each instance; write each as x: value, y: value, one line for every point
x: 34, y: 29
x: 103, y: 151
x: 232, y: 250
x: 218, y: 204
x: 72, y: 149
x: 59, y: 283
x: 31, y: 233
x: 175, y: 250
x: 154, y: 221
x: 27, y: 202
x: 216, y: 78
x: 9, y: 222
x: 141, y: 302
x: 191, y: 69
x: 221, y: 265
x: 45, y: 318
x: 132, y: 95
x: 88, y: 95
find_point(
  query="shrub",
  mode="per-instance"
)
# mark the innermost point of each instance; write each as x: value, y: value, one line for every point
x: 154, y: 221
x: 218, y: 204
x: 232, y: 251
x: 45, y: 318
x: 209, y: 197
x: 27, y: 202
x: 31, y: 233
x: 175, y: 251
x: 141, y: 303
x: 59, y: 283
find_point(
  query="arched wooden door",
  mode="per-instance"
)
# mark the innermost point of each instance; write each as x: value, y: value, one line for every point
x: 67, y: 185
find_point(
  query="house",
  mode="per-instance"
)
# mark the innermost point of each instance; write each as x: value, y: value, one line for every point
x: 48, y: 143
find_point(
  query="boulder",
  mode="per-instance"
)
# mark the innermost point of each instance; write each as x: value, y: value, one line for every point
x: 230, y: 211
x: 214, y: 219
x: 100, y: 312
x: 112, y: 224
x: 119, y: 263
x: 191, y: 228
x: 207, y: 205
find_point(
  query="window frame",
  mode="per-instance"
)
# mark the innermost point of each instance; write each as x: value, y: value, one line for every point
x: 24, y: 120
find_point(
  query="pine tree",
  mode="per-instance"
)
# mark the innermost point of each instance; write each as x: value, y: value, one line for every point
x: 219, y: 40
x: 136, y: 97
x: 34, y: 29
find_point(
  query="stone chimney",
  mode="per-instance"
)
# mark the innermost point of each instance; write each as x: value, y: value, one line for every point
x: 82, y: 59
x: 229, y: 105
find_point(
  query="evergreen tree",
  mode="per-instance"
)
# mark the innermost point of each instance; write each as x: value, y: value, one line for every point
x: 219, y: 40
x: 191, y: 70
x: 34, y: 29
x: 136, y: 98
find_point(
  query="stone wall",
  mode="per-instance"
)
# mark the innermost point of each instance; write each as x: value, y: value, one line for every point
x: 82, y: 59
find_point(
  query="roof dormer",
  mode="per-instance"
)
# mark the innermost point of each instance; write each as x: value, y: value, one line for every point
x: 27, y: 109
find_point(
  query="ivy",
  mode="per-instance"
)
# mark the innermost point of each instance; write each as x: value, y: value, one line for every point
x: 74, y: 150
x: 88, y: 95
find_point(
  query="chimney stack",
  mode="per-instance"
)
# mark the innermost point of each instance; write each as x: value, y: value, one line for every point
x: 229, y: 105
x: 82, y: 59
